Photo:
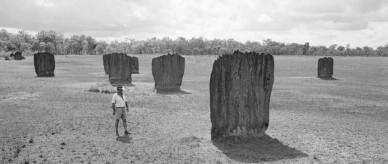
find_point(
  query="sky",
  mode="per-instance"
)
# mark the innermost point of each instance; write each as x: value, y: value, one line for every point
x: 320, y: 22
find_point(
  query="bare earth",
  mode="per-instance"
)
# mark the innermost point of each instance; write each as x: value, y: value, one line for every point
x: 56, y: 120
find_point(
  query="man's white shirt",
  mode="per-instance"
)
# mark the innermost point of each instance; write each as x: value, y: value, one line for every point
x: 118, y: 100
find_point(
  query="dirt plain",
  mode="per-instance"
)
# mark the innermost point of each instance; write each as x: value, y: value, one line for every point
x: 57, y: 120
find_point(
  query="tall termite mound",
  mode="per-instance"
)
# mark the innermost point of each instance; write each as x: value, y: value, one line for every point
x: 240, y: 91
x: 134, y: 64
x: 44, y: 64
x: 119, y: 69
x: 168, y: 71
x: 325, y: 68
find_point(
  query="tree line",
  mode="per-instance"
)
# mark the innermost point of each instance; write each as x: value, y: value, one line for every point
x: 55, y: 42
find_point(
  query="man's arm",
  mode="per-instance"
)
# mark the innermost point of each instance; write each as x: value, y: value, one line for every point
x: 113, y: 104
x: 114, y: 108
x: 126, y: 102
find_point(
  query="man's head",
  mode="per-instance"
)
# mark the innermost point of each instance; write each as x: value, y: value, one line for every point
x: 119, y: 89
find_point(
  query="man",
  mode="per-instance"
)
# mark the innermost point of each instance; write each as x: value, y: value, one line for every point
x: 119, y: 102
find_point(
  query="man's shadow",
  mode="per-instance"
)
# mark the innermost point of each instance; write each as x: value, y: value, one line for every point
x: 124, y: 139
x: 255, y: 150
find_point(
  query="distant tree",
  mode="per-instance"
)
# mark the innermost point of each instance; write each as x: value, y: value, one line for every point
x: 293, y: 48
x: 306, y: 48
x: 85, y: 47
x: 51, y: 39
x: 358, y: 51
x: 368, y: 51
x: 382, y: 50
x: 91, y: 46
x: 272, y: 47
x: 75, y: 44
x: 348, y: 50
x: 333, y: 49
x: 101, y: 47
x: 341, y: 50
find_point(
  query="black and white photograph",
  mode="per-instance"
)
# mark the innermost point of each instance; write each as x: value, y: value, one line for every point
x: 193, y: 81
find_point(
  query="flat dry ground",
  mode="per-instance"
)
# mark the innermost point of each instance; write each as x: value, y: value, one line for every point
x: 54, y: 120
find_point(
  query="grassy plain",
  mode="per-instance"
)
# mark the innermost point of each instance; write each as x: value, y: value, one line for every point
x: 56, y: 120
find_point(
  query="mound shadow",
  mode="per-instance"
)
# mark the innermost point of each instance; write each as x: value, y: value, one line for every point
x: 253, y: 150
x: 45, y: 77
x: 124, y: 139
x: 172, y: 92
x: 327, y: 78
x: 122, y: 84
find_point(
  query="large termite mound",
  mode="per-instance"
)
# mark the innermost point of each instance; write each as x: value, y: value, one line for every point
x: 325, y: 68
x: 168, y: 71
x: 240, y: 91
x: 44, y: 64
x: 134, y: 64
x: 119, y: 69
